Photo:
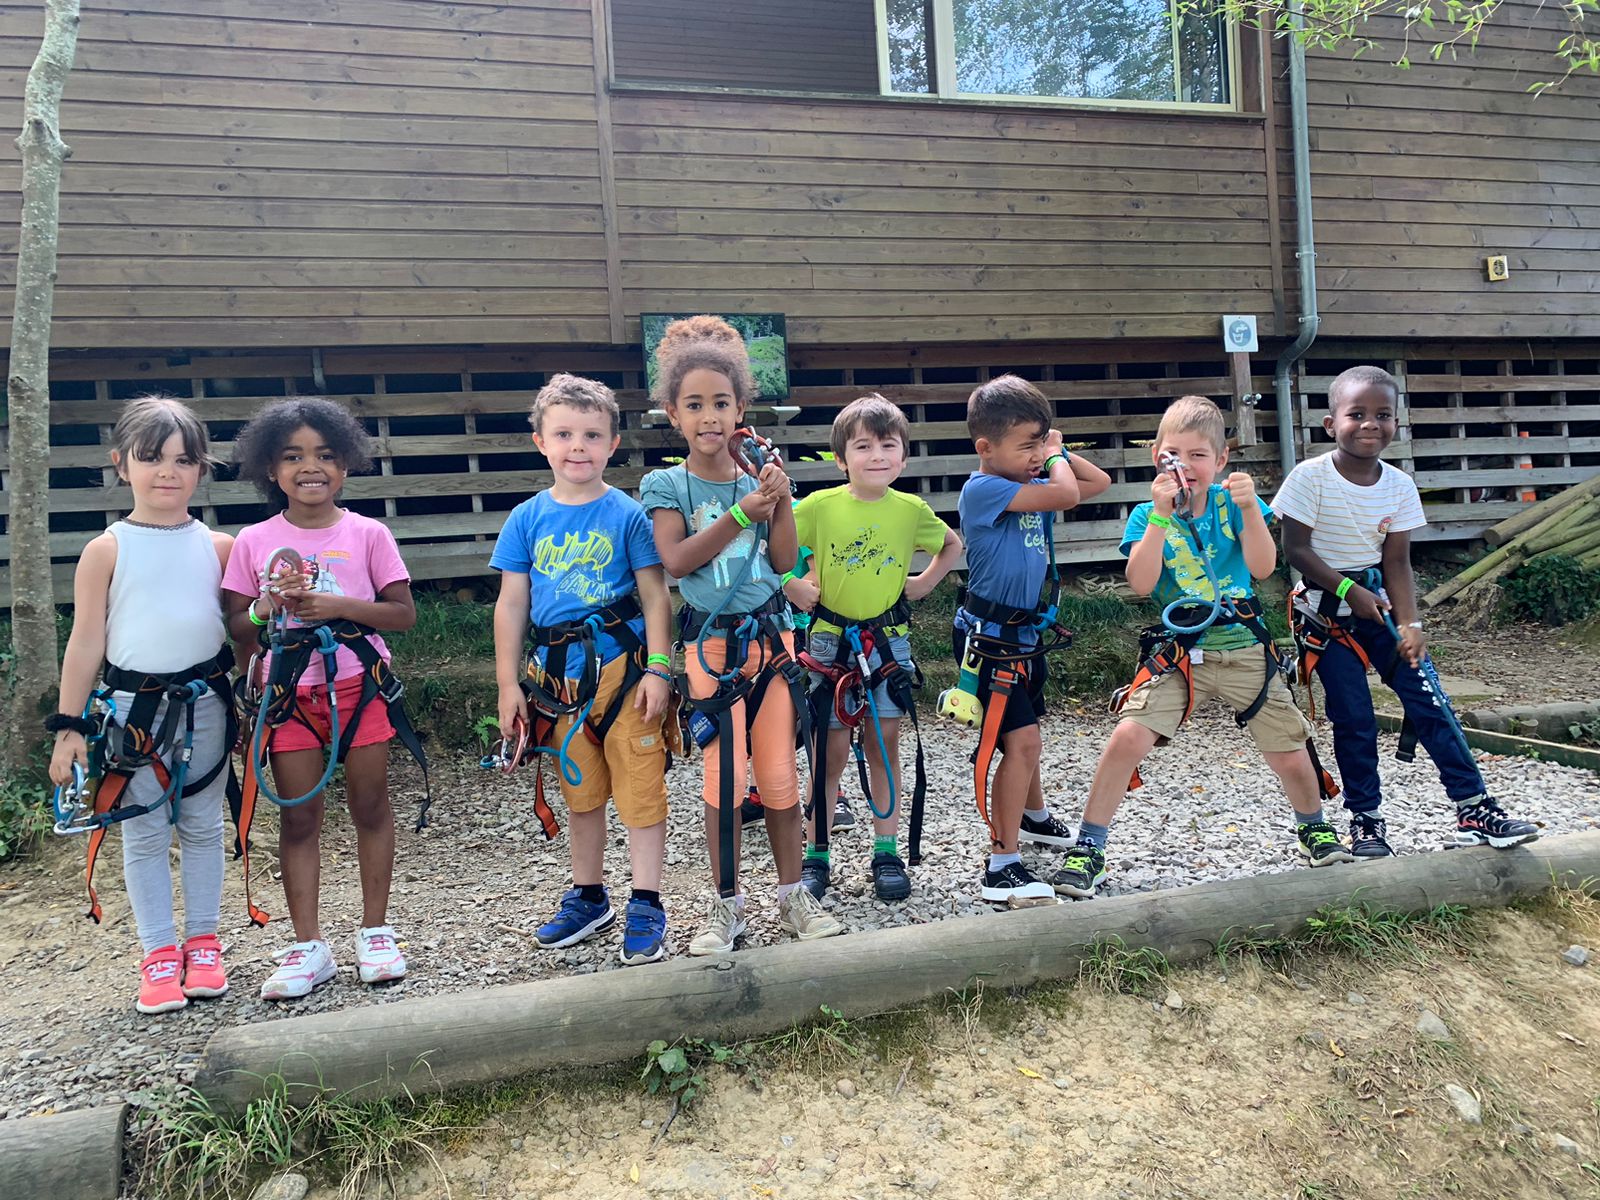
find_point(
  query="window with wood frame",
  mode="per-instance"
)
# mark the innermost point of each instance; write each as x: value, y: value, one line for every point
x: 1115, y: 52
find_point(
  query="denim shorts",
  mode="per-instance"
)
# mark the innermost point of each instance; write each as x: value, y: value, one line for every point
x: 824, y: 645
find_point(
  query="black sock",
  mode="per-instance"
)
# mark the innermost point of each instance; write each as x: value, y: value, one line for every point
x: 592, y: 893
x: 653, y: 899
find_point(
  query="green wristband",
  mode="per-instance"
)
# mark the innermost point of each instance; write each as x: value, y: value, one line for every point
x: 739, y: 518
x: 1344, y: 588
x: 657, y: 660
x: 1160, y: 522
x: 1053, y: 460
x: 259, y: 622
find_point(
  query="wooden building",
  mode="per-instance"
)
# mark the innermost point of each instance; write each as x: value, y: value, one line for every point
x: 425, y: 208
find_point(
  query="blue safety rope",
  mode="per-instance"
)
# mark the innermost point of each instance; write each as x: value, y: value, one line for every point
x: 1218, y: 605
x: 1372, y: 581
x: 329, y: 649
x: 569, y: 769
x: 854, y: 634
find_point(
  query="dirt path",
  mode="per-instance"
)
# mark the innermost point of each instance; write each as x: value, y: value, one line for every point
x: 1243, y: 1083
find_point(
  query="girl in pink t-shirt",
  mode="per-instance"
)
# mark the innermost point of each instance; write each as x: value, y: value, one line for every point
x: 298, y: 452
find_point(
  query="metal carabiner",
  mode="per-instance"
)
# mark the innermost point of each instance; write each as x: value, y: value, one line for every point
x: 507, y: 753
x: 1171, y: 462
x: 79, y: 817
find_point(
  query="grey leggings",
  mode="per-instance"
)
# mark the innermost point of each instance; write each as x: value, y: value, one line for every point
x: 147, y: 839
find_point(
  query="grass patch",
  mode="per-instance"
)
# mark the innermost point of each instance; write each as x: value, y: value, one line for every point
x: 447, y: 662
x: 1114, y: 968
x: 1359, y: 932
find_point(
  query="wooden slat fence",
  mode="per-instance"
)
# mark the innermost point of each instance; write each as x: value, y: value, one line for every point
x: 453, y: 453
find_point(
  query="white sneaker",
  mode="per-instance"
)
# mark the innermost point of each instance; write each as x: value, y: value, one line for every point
x: 723, y: 926
x: 303, y: 967
x: 378, y: 957
x: 802, y: 914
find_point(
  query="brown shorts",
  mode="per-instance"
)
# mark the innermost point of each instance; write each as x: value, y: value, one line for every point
x: 630, y: 768
x: 1234, y: 676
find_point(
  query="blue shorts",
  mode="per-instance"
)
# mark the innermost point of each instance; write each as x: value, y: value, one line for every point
x: 823, y: 646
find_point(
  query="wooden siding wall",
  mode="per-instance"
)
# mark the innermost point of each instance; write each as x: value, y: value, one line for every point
x: 454, y: 454
x: 780, y: 45
x: 1418, y: 174
x: 294, y: 172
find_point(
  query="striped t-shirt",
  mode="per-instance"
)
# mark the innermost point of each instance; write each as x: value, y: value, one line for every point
x: 1348, y: 522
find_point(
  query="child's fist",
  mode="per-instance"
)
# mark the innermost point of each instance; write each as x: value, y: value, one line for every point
x: 1241, y: 489
x: 70, y: 748
x: 757, y: 505
x: 1367, y: 605
x: 804, y: 593
x: 1052, y: 443
x: 513, y: 707
x: 1412, y: 646
x: 1164, y: 493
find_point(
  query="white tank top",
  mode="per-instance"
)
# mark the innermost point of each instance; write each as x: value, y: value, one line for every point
x: 164, y: 610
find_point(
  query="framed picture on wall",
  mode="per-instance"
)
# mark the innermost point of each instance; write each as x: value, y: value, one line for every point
x: 766, y: 336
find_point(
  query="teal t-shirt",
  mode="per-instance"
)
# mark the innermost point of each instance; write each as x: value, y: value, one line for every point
x: 1183, y: 575
x: 701, y: 502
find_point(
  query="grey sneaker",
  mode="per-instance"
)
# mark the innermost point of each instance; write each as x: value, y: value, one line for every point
x: 802, y: 914
x: 843, y: 818
x: 724, y: 925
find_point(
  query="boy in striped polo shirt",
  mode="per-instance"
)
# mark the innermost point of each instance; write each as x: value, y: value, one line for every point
x: 1347, y: 520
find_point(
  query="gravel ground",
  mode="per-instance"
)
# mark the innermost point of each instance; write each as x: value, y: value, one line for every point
x: 469, y: 891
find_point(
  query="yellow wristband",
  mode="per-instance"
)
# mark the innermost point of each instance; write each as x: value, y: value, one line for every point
x: 657, y: 660
x: 1160, y: 522
x: 1344, y: 588
x: 739, y: 518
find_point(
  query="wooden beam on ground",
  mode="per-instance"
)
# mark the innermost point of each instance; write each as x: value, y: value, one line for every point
x: 1567, y: 755
x: 68, y: 1156
x: 441, y: 1042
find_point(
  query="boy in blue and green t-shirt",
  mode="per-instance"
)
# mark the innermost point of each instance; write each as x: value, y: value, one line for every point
x: 862, y: 536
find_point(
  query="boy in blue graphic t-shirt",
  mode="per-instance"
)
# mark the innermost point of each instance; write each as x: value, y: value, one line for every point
x: 578, y: 561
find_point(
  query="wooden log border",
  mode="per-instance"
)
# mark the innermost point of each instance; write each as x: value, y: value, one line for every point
x: 443, y: 1042
x: 66, y: 1156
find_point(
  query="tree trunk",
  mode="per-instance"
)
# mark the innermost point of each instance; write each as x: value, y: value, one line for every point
x: 33, y: 613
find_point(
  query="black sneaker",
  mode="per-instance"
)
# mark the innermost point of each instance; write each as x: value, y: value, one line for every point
x: 1083, y: 870
x: 843, y: 818
x: 1321, y: 844
x: 1052, y: 831
x: 1486, y: 824
x: 751, y: 810
x: 889, y: 878
x: 815, y: 875
x: 1015, y: 885
x: 1369, y: 836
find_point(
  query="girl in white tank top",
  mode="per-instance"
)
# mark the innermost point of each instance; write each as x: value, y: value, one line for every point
x: 147, y: 599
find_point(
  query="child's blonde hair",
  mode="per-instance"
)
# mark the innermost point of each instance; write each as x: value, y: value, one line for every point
x: 696, y: 343
x: 1194, y: 414
x: 148, y: 421
x: 871, y: 414
x: 574, y: 391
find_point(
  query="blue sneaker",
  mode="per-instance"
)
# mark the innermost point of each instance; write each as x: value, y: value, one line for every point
x: 644, y: 934
x: 575, y: 920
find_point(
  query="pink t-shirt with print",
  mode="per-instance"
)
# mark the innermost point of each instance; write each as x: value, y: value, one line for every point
x: 356, y: 556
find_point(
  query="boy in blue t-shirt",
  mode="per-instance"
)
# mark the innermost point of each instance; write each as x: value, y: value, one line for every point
x: 579, y: 549
x: 1199, y: 562
x: 1003, y: 508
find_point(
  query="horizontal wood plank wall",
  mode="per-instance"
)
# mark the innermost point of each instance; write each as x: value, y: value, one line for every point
x: 301, y: 173
x: 884, y: 222
x: 455, y: 455
x: 1418, y: 174
x: 779, y: 45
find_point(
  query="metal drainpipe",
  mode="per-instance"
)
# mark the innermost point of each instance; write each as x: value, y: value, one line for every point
x: 1306, y: 255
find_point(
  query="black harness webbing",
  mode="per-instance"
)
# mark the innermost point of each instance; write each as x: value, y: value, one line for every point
x: 740, y: 632
x: 843, y: 687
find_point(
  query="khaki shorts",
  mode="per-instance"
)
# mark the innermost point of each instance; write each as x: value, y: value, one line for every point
x: 1234, y: 676
x: 630, y: 768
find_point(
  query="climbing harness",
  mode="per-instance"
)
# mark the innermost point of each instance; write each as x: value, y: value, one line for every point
x: 554, y: 694
x: 1315, y: 633
x: 849, y: 684
x: 93, y: 801
x: 277, y: 702
x: 1168, y: 648
x: 1010, y: 662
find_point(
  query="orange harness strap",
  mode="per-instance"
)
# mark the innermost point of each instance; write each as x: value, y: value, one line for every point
x: 1001, y: 684
x: 1166, y: 664
x: 247, y: 809
x: 105, y: 799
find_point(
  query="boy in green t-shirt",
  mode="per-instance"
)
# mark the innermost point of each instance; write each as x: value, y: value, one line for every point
x: 862, y: 536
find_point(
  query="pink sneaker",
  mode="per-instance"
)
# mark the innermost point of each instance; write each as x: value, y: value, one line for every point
x: 302, y: 967
x: 202, y: 967
x: 160, y: 982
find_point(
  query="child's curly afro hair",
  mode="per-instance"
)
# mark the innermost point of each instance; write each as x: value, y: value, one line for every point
x: 261, y: 442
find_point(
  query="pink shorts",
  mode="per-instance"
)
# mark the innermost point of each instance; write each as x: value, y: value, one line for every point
x: 311, y: 704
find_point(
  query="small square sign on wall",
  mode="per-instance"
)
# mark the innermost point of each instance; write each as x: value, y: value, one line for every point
x: 1239, y: 335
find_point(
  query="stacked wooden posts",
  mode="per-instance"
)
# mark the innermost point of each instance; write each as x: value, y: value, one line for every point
x: 1567, y: 523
